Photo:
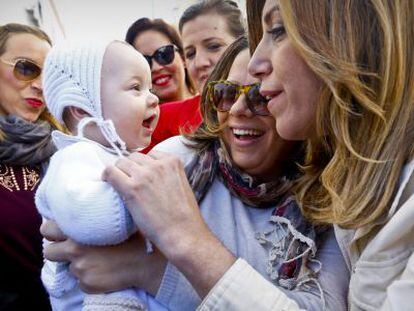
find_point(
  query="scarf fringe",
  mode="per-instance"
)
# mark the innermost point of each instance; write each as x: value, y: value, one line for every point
x: 290, y: 251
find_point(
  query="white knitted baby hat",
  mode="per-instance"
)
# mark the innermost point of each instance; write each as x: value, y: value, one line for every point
x: 72, y: 77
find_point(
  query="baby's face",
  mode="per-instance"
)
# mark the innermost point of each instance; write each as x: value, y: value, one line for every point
x: 126, y: 97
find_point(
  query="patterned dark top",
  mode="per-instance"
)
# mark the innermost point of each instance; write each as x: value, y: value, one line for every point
x: 20, y: 240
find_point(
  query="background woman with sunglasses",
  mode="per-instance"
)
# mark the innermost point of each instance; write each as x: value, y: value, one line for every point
x: 25, y: 145
x: 242, y: 173
x: 207, y: 28
x: 161, y: 45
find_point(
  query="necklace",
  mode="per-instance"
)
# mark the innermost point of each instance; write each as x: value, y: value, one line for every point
x: 9, y: 181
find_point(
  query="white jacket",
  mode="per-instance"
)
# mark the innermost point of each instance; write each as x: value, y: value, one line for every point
x: 89, y: 211
x: 381, y: 256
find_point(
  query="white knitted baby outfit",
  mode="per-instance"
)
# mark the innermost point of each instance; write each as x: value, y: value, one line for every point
x: 87, y: 209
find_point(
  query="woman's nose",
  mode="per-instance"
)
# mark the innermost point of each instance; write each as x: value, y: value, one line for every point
x: 36, y: 85
x: 260, y: 64
x: 240, y: 107
x: 201, y: 60
x: 156, y: 66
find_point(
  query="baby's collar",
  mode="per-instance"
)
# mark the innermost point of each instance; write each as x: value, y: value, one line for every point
x: 62, y: 140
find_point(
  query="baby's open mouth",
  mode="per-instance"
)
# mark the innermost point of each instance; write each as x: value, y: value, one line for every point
x: 148, y: 122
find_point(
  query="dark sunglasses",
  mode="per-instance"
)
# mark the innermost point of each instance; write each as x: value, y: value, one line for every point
x: 163, y: 55
x: 24, y: 69
x: 223, y: 94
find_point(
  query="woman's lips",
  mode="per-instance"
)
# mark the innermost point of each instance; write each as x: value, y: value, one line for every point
x: 36, y: 103
x: 202, y: 79
x: 161, y: 80
x: 273, y: 97
x: 274, y: 102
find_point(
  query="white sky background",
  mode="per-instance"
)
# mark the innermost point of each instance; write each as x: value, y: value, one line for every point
x: 83, y: 19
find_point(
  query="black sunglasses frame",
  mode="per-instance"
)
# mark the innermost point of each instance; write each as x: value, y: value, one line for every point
x: 261, y: 101
x: 164, y: 55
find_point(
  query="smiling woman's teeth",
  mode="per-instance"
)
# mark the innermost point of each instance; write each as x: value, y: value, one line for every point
x: 242, y: 132
x: 161, y: 80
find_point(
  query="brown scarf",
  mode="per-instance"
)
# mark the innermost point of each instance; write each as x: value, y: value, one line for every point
x: 216, y: 162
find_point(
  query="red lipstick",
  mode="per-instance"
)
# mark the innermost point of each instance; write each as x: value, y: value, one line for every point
x: 36, y: 103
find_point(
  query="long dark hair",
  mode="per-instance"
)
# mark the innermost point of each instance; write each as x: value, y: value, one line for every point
x: 143, y: 24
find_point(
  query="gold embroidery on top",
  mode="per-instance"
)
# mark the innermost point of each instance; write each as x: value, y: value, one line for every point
x: 31, y: 178
x: 8, y: 179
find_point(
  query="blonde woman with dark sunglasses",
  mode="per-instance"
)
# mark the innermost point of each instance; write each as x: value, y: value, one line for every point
x: 25, y: 147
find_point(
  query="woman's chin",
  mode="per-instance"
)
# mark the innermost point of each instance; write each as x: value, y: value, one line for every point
x: 29, y: 117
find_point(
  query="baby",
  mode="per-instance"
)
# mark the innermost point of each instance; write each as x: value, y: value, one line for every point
x: 101, y: 92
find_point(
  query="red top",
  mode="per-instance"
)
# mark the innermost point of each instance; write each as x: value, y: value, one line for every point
x: 20, y: 240
x: 175, y: 116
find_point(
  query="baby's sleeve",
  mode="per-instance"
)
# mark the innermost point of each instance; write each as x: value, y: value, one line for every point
x: 87, y: 209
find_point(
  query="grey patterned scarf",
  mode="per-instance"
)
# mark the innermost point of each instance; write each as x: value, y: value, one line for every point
x: 25, y: 143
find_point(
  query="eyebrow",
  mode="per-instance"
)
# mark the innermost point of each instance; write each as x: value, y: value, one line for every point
x: 268, y: 16
x: 207, y: 40
x: 135, y: 78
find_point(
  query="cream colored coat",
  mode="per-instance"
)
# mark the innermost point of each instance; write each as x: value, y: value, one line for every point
x: 381, y: 256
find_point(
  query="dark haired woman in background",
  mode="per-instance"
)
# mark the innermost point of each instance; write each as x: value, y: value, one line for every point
x: 161, y: 45
x: 207, y: 28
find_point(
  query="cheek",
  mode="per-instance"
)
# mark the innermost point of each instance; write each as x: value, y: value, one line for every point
x: 307, y: 101
x: 190, y: 67
x: 222, y: 117
x: 8, y: 81
x: 177, y: 69
x: 216, y: 56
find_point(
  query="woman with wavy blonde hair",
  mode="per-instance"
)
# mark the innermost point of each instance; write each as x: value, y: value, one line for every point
x: 340, y: 74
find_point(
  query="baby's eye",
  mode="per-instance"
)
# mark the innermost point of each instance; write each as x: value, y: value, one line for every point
x: 137, y: 87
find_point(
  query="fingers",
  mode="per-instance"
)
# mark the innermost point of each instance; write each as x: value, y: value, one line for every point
x: 51, y: 231
x: 118, y: 179
x: 158, y: 155
x: 59, y: 251
x: 126, y: 166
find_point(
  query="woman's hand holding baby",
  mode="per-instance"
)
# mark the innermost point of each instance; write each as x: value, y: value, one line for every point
x: 156, y: 191
x: 109, y: 268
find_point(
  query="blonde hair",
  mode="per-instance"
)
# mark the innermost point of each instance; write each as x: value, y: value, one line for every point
x: 8, y: 30
x: 364, y: 52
